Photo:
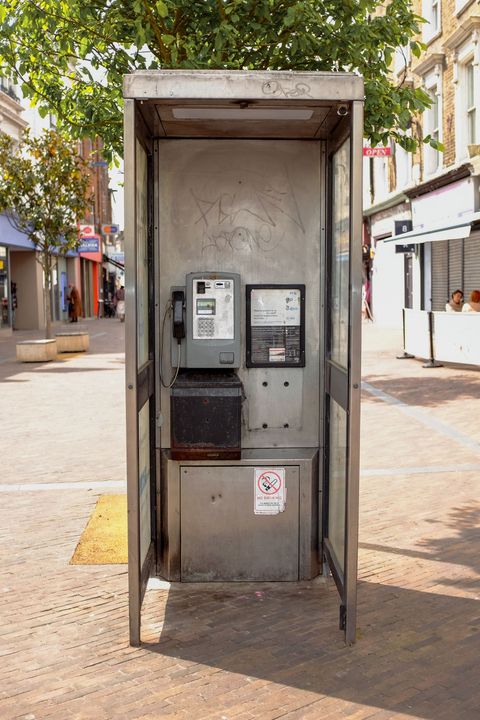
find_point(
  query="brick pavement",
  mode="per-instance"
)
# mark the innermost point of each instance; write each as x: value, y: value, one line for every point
x: 238, y: 652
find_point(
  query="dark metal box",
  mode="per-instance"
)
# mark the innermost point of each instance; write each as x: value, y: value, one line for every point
x: 205, y: 411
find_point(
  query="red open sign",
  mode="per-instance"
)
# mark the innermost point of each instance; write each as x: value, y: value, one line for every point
x: 377, y: 151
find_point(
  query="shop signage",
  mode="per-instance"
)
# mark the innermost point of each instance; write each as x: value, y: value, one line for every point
x: 446, y: 206
x: 403, y: 226
x: 86, y: 230
x: 110, y: 229
x: 405, y: 248
x: 377, y: 151
x: 88, y: 244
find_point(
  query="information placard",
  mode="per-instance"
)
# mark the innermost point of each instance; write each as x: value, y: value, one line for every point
x: 270, y: 491
x: 275, y: 325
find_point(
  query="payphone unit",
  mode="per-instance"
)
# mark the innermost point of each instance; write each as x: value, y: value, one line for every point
x: 206, y: 393
x: 206, y: 320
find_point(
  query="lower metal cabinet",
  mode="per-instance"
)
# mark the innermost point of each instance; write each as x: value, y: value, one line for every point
x: 208, y: 528
x: 222, y: 538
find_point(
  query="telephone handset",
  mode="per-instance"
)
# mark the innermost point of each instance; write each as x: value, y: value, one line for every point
x: 178, y: 303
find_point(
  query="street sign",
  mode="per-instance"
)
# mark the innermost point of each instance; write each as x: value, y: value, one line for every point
x: 110, y: 229
x: 377, y: 151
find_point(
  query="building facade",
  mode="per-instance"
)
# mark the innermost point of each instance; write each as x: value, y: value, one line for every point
x: 21, y: 276
x: 94, y: 270
x: 422, y: 210
x: 15, y: 248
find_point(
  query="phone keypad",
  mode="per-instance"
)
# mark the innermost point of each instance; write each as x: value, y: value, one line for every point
x: 206, y: 327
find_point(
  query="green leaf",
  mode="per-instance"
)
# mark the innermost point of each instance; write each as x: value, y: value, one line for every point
x: 162, y: 9
x: 38, y: 40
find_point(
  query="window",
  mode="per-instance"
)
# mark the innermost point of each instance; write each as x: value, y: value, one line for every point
x: 467, y: 95
x: 470, y: 103
x: 461, y: 5
x: 432, y: 128
x: 464, y: 42
x: 403, y: 160
x: 431, y: 11
x: 380, y: 178
x: 435, y: 16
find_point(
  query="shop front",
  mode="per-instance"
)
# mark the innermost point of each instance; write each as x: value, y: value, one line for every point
x: 20, y: 281
x: 91, y: 259
x: 446, y: 236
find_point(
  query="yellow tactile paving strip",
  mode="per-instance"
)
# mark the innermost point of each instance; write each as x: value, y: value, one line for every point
x: 104, y: 540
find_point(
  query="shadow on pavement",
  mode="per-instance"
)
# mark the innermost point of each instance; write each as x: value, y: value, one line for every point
x: 412, y: 646
x: 428, y: 391
x: 458, y: 548
x: 9, y: 370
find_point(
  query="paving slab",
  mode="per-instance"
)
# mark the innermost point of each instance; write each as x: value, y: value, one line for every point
x: 240, y: 651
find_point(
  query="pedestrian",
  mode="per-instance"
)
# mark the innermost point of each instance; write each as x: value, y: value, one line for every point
x: 456, y: 302
x: 119, y: 301
x: 74, y: 304
x: 366, y: 300
x: 473, y: 305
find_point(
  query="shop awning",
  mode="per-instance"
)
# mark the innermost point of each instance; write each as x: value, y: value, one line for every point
x: 457, y: 231
x: 12, y: 237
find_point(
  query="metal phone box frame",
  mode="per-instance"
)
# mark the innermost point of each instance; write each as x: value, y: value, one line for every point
x: 257, y: 176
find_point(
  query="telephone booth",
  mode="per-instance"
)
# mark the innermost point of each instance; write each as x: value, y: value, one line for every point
x: 243, y: 248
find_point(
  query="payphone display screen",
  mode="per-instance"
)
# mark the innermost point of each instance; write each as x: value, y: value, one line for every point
x: 213, y: 309
x: 206, y: 307
x: 275, y: 325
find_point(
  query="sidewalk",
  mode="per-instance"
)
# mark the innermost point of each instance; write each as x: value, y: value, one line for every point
x: 240, y: 652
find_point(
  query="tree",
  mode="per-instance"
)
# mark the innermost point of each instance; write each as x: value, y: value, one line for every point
x: 43, y: 193
x: 71, y: 55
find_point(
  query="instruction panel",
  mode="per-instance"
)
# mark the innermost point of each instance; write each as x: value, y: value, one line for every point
x: 275, y: 325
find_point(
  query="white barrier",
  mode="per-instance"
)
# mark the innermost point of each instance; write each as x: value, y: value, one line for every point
x: 417, y: 335
x: 451, y: 337
x: 456, y: 337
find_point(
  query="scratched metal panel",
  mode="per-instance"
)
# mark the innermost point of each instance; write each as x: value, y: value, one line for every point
x: 252, y: 207
x: 221, y: 537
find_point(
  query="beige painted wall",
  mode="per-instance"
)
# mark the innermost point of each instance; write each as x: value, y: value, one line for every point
x: 27, y: 273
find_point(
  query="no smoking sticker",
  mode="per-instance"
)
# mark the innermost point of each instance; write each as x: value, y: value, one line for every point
x: 270, y: 491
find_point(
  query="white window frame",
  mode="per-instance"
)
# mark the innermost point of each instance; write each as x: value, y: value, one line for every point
x: 432, y: 12
x: 461, y: 5
x: 471, y: 102
x: 380, y: 179
x: 467, y: 56
x: 432, y: 159
x: 406, y: 159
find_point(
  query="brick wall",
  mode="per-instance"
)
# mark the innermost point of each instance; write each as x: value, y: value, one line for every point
x: 91, y: 150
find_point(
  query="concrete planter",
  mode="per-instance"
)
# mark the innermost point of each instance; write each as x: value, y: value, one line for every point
x: 37, y: 350
x: 75, y: 341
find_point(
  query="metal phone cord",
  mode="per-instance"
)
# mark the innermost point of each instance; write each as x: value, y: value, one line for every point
x: 168, y: 310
